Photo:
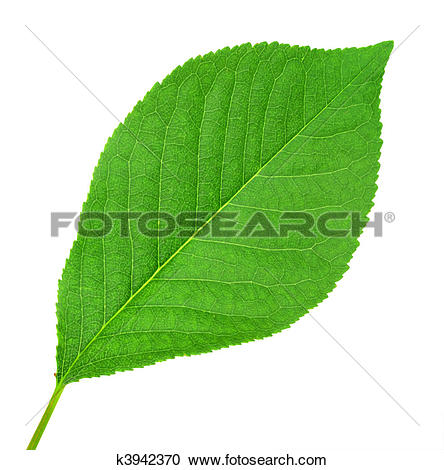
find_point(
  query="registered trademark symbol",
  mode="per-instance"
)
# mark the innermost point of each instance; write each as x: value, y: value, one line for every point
x: 389, y: 217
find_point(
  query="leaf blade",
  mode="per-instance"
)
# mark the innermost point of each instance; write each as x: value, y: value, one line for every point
x: 153, y: 326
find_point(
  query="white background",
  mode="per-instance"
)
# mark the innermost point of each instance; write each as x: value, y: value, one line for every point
x: 297, y: 392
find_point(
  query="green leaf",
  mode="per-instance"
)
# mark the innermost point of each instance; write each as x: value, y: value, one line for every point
x: 252, y: 131
x: 269, y: 128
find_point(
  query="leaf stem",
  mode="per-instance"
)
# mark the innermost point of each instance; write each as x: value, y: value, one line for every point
x: 45, y: 418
